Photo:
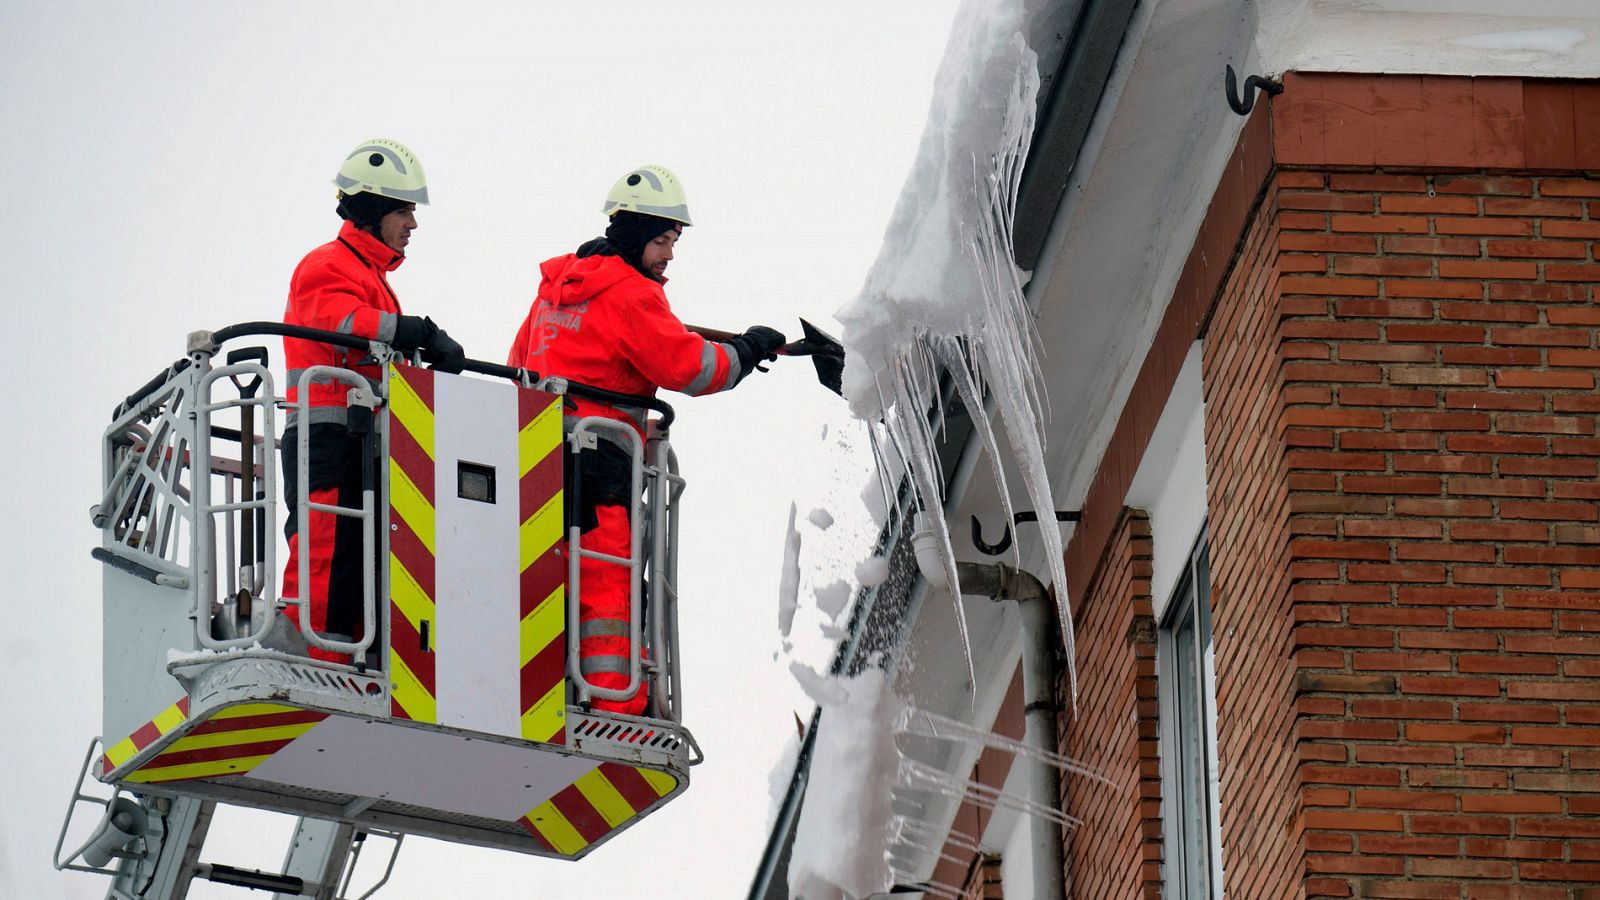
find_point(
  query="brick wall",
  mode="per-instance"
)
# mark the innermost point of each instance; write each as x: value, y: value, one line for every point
x: 1247, y: 499
x: 1116, y: 853
x: 983, y: 880
x: 1438, y: 353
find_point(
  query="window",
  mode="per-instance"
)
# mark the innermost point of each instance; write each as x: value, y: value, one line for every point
x: 1192, y: 869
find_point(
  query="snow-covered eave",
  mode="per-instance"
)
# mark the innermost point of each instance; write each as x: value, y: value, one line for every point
x: 1077, y: 42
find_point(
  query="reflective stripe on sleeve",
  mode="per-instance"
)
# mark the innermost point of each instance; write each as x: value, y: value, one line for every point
x: 348, y: 326
x: 708, y: 369
x: 387, y: 323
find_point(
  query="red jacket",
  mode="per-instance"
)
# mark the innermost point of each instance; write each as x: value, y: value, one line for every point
x: 340, y: 286
x: 598, y: 321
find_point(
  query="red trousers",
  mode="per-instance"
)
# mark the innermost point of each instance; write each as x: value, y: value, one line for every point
x: 604, y: 600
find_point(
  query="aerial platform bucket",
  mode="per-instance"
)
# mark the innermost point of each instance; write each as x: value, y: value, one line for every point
x: 462, y: 721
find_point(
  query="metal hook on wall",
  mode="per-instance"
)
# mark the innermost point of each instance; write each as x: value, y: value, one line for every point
x: 988, y: 549
x: 1242, y: 105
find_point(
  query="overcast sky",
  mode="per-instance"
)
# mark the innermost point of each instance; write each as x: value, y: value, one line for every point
x: 167, y: 164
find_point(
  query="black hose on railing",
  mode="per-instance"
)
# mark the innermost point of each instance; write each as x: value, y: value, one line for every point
x: 251, y: 329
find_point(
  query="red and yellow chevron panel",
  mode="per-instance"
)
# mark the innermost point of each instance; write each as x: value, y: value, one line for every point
x: 412, y: 516
x: 148, y: 734
x: 229, y: 742
x: 543, y: 582
x: 595, y: 805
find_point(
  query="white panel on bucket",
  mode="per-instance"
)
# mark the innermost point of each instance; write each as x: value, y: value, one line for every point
x: 478, y: 663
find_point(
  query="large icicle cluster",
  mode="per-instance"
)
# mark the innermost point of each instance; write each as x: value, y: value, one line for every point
x: 945, y: 294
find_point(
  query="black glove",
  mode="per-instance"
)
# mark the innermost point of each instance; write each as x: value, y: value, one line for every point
x: 443, y: 352
x: 412, y: 333
x: 759, y: 344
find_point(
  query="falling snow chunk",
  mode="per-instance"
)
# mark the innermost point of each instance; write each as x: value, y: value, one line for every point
x: 789, y: 582
x: 872, y: 572
x: 820, y: 688
x: 820, y: 518
x: 842, y: 840
x: 831, y: 600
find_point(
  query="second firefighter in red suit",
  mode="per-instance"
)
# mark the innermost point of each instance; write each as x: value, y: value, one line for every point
x: 343, y: 286
x: 601, y: 318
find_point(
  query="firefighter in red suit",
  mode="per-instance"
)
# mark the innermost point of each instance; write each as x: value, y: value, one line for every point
x: 601, y: 318
x: 343, y: 286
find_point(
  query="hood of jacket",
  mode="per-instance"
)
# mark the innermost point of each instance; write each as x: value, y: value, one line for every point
x: 572, y: 279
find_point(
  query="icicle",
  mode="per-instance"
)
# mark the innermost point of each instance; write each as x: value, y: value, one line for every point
x: 945, y: 294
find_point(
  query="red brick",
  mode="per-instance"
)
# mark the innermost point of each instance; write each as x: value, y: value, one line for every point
x: 1546, y: 424
x: 1352, y: 821
x: 1330, y: 287
x: 1391, y: 484
x: 1347, y: 462
x: 1402, y: 709
x: 1501, y: 618
x: 1450, y: 686
x: 1487, y: 269
x: 1540, y: 337
x: 1505, y: 665
x: 1509, y: 227
x: 1349, y: 776
x: 1444, y: 290
x: 1409, y: 267
x: 1380, y: 224
x: 1425, y: 867
x: 1494, y: 206
x: 1538, y: 293
x: 1505, y: 757
x: 1510, y: 712
x: 1555, y: 468
x: 1497, y: 487
x: 1570, y: 646
x: 1410, y: 573
x: 1585, y: 316
x: 1385, y: 353
x: 1437, y: 375
x: 1440, y: 421
x: 1586, y: 358
x: 1324, y: 330
x: 1569, y: 187
x: 1328, y: 243
x: 1446, y: 596
x: 1515, y: 378
x: 1556, y: 871
x: 1488, y: 312
x: 1346, y: 373
x: 1359, y: 396
x: 1493, y: 400
x: 1558, y: 556
x: 1563, y: 272
x: 1567, y: 737
x: 1571, y: 512
x: 1512, y: 849
x: 1490, y: 356
x: 1478, y: 184
x: 1558, y: 229
x: 1382, y: 309
x: 1362, y: 181
x: 1380, y: 661
x: 1460, y: 825
x: 1413, y: 506
x: 1326, y: 202
x: 1478, y: 465
x: 1441, y: 334
x: 1455, y: 734
x: 1444, y: 553
x: 1430, y: 246
x: 1540, y: 249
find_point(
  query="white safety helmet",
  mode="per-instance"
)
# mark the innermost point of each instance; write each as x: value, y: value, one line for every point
x: 651, y: 190
x: 386, y: 168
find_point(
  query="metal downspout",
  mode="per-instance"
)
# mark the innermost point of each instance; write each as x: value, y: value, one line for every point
x: 1001, y: 582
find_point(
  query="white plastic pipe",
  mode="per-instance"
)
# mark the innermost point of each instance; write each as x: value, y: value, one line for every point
x: 1001, y: 582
